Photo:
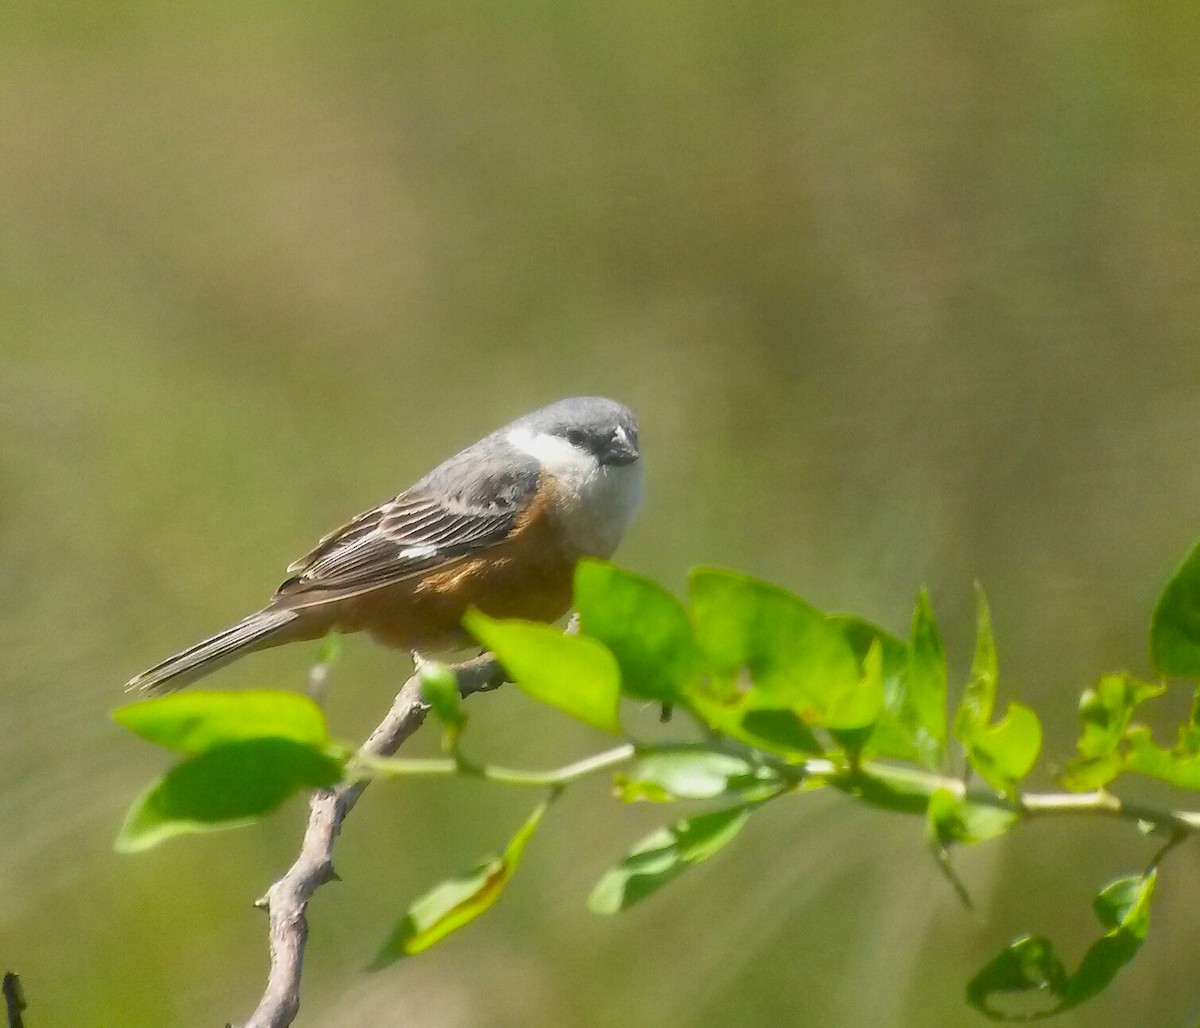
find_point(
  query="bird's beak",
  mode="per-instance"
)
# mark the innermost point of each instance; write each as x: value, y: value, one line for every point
x: 623, y: 449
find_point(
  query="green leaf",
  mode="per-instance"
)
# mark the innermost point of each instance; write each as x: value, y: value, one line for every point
x: 226, y: 786
x: 852, y: 716
x: 924, y: 709
x: 693, y: 773
x: 1031, y: 965
x: 1175, y: 625
x: 644, y: 626
x: 1189, y: 732
x: 577, y: 675
x: 774, y: 729
x: 888, y: 736
x: 1147, y: 758
x: 453, y: 903
x: 859, y: 706
x: 979, y: 696
x: 1088, y: 773
x: 1107, y: 709
x: 194, y: 721
x: 951, y: 820
x: 661, y: 856
x: 1123, y: 907
x: 1005, y: 753
x: 862, y: 634
x: 331, y: 650
x: 901, y: 793
x: 791, y: 653
x: 439, y: 688
x: 1027, y: 965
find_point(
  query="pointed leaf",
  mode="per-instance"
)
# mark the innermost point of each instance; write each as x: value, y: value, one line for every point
x: 1188, y: 744
x: 790, y: 652
x: 1027, y: 965
x: 692, y: 773
x: 644, y: 626
x: 439, y: 688
x: 1031, y: 965
x: 774, y: 729
x: 455, y: 902
x: 1147, y: 758
x: 194, y: 721
x: 1175, y: 625
x: 573, y: 673
x: 1107, y: 709
x: 225, y: 787
x: 950, y: 819
x: 859, y: 706
x: 661, y: 856
x: 979, y: 697
x: 924, y: 712
x: 1004, y: 753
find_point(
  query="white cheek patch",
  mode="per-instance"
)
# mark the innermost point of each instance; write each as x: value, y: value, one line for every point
x: 568, y: 463
x: 594, y: 504
x: 553, y: 453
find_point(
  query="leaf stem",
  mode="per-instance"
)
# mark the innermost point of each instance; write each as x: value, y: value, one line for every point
x: 918, y: 782
x: 555, y: 777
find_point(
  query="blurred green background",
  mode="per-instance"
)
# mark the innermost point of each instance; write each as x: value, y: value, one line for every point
x: 903, y: 293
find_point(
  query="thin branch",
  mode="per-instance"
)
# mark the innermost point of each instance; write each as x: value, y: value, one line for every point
x: 557, y: 777
x: 1028, y: 804
x: 14, y: 1000
x: 286, y: 901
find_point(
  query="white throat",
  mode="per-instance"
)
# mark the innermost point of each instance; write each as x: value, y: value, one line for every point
x: 593, y: 503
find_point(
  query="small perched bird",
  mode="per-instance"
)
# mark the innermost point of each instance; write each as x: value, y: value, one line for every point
x: 499, y: 526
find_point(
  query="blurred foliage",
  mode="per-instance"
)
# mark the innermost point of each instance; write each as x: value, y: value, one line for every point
x: 901, y: 293
x: 752, y: 650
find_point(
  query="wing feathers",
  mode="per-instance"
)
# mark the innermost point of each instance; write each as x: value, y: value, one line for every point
x: 417, y: 531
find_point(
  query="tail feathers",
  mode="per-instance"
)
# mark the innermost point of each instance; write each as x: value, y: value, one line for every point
x: 205, y: 657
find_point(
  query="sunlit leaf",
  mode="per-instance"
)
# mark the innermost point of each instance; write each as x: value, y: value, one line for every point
x: 901, y: 793
x: 197, y: 720
x: 576, y: 674
x: 1088, y: 773
x: 1030, y: 965
x: 952, y: 820
x: 226, y: 786
x: 955, y: 820
x: 1005, y: 752
x: 1175, y: 625
x: 1107, y: 709
x: 439, y: 688
x: 924, y: 710
x: 1147, y: 758
x: 644, y: 626
x: 862, y: 634
x: 661, y: 856
x: 852, y: 716
x: 790, y: 652
x: 692, y: 773
x: 1188, y: 743
x: 860, y: 705
x: 979, y: 697
x: 456, y: 901
x: 774, y: 729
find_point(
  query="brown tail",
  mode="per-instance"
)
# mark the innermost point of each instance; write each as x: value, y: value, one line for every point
x: 205, y: 657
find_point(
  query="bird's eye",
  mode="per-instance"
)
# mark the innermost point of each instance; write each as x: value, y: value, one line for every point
x: 575, y: 437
